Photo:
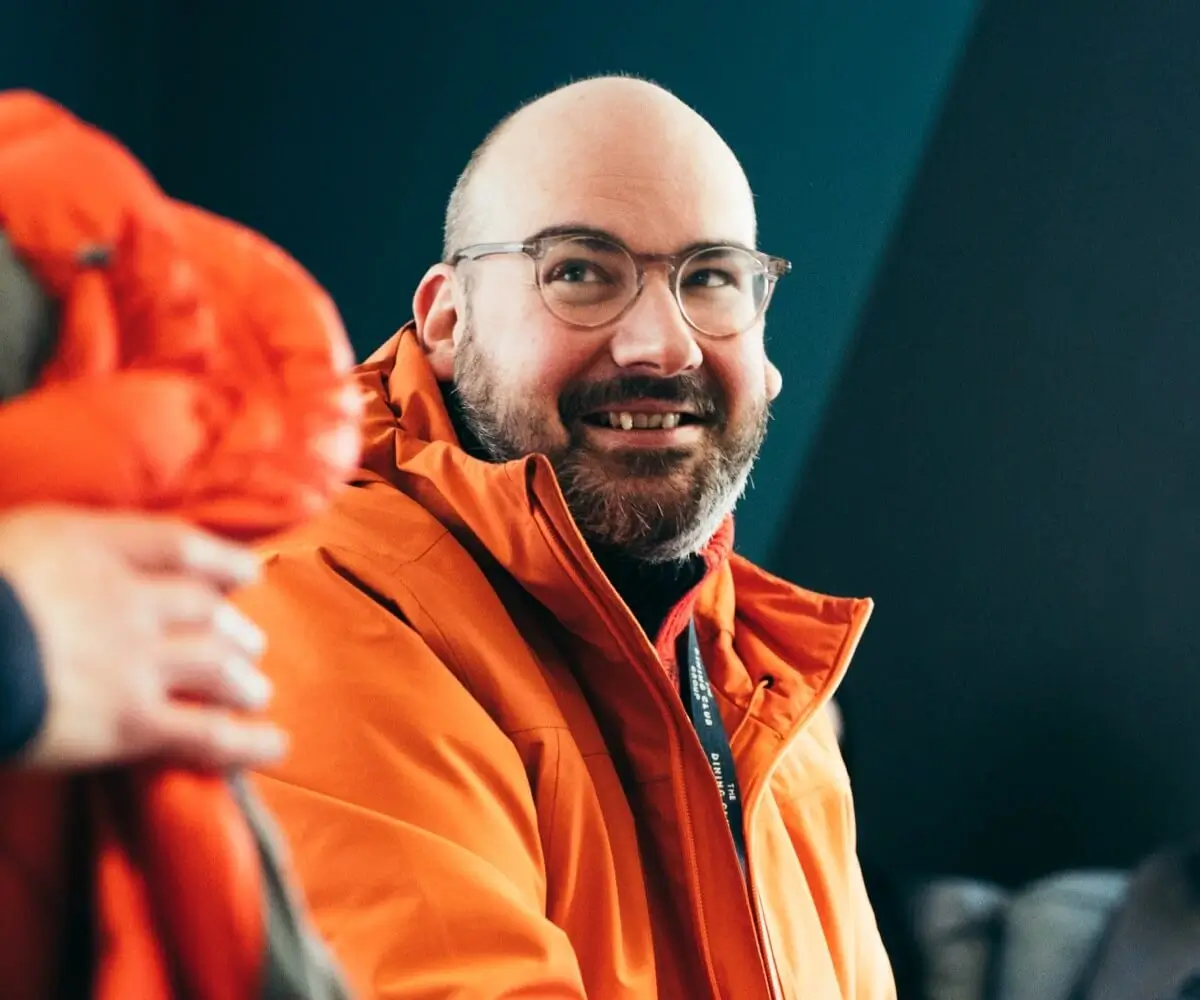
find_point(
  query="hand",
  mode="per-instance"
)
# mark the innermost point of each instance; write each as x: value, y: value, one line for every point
x: 143, y: 655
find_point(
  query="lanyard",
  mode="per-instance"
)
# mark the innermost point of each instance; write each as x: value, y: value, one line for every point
x: 702, y: 706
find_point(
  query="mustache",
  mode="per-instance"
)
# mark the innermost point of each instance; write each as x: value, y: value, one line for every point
x: 690, y: 389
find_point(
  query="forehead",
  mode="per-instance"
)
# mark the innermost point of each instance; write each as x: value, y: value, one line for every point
x: 655, y: 198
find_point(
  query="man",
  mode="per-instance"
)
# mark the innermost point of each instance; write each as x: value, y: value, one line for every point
x: 509, y: 775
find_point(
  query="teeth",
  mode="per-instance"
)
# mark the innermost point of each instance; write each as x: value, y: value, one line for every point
x: 624, y: 420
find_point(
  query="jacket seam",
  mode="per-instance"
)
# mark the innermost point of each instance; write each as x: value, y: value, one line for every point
x: 525, y: 730
x: 349, y: 803
x: 553, y: 825
x: 392, y: 573
x: 393, y: 562
x: 457, y: 664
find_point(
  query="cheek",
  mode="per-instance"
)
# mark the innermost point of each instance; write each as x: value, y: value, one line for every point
x: 532, y: 355
x: 740, y: 369
x: 540, y: 364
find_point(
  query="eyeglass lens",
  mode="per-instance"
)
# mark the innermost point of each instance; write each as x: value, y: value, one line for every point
x: 589, y: 281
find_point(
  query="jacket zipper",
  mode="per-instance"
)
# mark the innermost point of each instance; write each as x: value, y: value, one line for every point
x: 602, y: 606
x: 760, y: 916
x: 764, y: 786
x: 685, y: 819
x: 611, y: 616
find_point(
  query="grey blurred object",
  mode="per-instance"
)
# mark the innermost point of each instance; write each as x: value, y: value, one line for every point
x: 957, y: 922
x: 980, y: 941
x: 28, y: 324
x: 1052, y: 930
x: 299, y: 966
x: 1151, y: 950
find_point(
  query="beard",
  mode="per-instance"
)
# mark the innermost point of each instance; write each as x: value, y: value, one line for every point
x: 653, y: 505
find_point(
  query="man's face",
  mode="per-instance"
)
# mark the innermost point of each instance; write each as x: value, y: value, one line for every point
x: 530, y: 382
x: 656, y: 493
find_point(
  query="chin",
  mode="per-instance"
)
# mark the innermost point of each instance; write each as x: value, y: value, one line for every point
x: 668, y: 469
x: 676, y: 547
x: 652, y: 505
x: 655, y: 522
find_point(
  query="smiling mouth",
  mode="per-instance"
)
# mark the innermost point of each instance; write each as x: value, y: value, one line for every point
x: 630, y: 420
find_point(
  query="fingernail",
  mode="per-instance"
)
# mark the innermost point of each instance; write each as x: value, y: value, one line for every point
x: 272, y: 744
x: 211, y: 555
x: 243, y: 566
x: 255, y: 688
x: 247, y: 569
x: 232, y: 623
x: 252, y: 743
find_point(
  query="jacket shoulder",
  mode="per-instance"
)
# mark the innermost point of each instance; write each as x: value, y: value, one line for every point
x: 372, y: 520
x: 379, y: 574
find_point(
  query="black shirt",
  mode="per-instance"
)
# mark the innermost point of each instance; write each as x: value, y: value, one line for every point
x: 650, y: 590
x: 22, y: 683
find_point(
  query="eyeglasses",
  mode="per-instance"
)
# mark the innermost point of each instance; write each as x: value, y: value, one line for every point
x: 589, y: 280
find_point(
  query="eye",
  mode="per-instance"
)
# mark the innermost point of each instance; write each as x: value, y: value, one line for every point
x: 577, y: 272
x: 710, y: 277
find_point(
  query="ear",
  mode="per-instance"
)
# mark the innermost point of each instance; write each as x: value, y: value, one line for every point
x: 774, y: 381
x: 435, y: 314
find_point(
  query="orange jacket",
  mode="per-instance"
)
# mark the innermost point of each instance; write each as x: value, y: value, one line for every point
x: 196, y: 371
x: 498, y: 793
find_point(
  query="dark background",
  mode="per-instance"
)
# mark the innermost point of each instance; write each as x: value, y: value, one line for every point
x: 339, y: 128
x: 990, y: 341
x: 1011, y: 461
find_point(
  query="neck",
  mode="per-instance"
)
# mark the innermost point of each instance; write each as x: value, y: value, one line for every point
x: 650, y: 589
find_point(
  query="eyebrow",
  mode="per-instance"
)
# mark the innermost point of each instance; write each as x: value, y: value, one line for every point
x: 579, y: 229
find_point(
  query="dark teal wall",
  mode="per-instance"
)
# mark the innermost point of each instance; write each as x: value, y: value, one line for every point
x: 1011, y: 464
x: 98, y: 57
x: 338, y: 129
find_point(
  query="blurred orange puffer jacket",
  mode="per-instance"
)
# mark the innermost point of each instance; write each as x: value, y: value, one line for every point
x: 200, y: 372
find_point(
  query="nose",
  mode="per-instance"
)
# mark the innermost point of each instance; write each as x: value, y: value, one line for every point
x: 653, y: 337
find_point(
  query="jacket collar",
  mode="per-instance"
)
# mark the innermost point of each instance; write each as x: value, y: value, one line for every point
x: 513, y: 514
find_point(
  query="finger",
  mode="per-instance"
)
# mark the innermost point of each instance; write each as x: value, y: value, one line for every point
x: 235, y: 628
x: 183, y: 604
x: 213, y: 670
x: 159, y: 545
x: 188, y: 610
x: 180, y: 603
x: 208, y: 737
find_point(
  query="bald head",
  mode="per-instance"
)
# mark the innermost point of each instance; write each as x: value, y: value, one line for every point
x: 614, y: 145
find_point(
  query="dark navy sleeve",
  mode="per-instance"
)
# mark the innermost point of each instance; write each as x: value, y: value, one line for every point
x: 22, y: 683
